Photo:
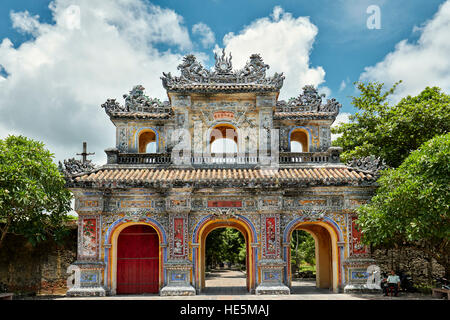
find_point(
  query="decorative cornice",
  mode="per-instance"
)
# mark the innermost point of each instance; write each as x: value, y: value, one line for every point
x: 224, y: 213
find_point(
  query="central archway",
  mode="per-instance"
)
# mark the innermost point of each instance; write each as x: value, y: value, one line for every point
x: 223, y: 139
x: 202, y: 233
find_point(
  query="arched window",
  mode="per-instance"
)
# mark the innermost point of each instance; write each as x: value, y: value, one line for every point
x: 147, y: 142
x: 224, y: 139
x: 299, y: 141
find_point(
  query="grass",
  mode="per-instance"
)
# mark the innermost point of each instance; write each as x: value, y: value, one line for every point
x: 307, y: 267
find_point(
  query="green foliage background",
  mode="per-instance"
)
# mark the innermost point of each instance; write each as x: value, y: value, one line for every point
x: 225, y: 245
x: 302, y: 251
x: 33, y: 199
x: 411, y: 205
x: 392, y: 131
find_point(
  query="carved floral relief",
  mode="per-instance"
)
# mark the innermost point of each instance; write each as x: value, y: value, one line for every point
x: 89, y: 238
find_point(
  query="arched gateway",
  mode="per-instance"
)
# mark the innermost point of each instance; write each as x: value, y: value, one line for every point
x: 144, y: 216
x: 208, y: 224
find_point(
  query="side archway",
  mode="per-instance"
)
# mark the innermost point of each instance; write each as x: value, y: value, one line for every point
x: 299, y: 140
x: 147, y: 141
x: 328, y: 257
x: 111, y: 250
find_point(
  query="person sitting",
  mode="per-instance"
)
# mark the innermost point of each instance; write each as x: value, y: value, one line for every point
x: 393, y: 282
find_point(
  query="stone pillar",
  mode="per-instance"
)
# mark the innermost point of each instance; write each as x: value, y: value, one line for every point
x: 286, y: 269
x: 334, y: 153
x: 359, y: 267
x: 271, y: 265
x: 178, y: 267
x: 112, y: 155
x: 359, y: 274
x: 87, y: 270
x: 197, y: 142
x: 181, y: 139
x: 122, y: 138
x: 325, y: 138
x: 284, y: 139
x: 265, y: 104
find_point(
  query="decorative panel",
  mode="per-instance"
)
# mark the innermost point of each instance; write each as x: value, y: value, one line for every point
x: 356, y: 247
x: 88, y: 238
x: 179, y: 237
x: 270, y: 236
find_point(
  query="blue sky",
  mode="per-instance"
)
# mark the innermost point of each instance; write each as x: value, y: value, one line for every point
x: 343, y: 46
x: 337, y: 54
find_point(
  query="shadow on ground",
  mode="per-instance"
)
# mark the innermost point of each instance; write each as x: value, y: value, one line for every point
x: 307, y: 287
x: 233, y: 282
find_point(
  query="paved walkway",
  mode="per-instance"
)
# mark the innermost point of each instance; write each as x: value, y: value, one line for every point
x: 225, y: 282
x: 231, y: 285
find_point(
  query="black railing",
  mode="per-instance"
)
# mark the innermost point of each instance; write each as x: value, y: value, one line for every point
x: 143, y: 158
x: 304, y: 157
x: 222, y: 159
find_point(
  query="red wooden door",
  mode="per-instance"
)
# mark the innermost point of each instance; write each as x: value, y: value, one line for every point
x: 138, y: 260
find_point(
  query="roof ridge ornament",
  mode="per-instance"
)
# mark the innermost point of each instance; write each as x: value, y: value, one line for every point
x: 73, y: 166
x: 310, y: 100
x: 193, y: 73
x: 136, y: 101
x: 223, y: 65
x: 370, y: 164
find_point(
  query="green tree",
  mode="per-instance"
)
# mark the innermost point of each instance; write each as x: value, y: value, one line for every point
x: 392, y: 132
x: 225, y: 245
x: 33, y: 199
x: 412, y: 204
x: 302, y: 249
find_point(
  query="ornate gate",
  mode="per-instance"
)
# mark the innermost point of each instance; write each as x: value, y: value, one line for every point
x: 137, y: 260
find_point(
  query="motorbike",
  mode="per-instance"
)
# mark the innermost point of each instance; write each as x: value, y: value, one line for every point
x: 3, y: 287
x: 406, y: 283
x: 443, y: 283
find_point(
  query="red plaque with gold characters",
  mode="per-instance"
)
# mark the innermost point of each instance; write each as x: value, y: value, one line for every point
x: 223, y: 115
x: 224, y: 204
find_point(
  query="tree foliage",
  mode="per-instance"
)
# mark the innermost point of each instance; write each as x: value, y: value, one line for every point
x: 225, y: 245
x: 412, y: 203
x: 302, y: 249
x: 33, y: 199
x: 392, y: 132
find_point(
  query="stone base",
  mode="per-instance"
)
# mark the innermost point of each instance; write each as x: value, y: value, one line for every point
x: 177, y: 291
x: 362, y: 288
x: 86, y: 292
x: 277, y: 289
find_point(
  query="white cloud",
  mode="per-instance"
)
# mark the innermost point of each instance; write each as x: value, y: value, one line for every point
x: 25, y: 23
x: 95, y: 50
x: 342, y: 86
x: 341, y: 118
x: 284, y: 43
x: 421, y: 64
x: 206, y: 34
x: 277, y: 13
x: 324, y: 90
